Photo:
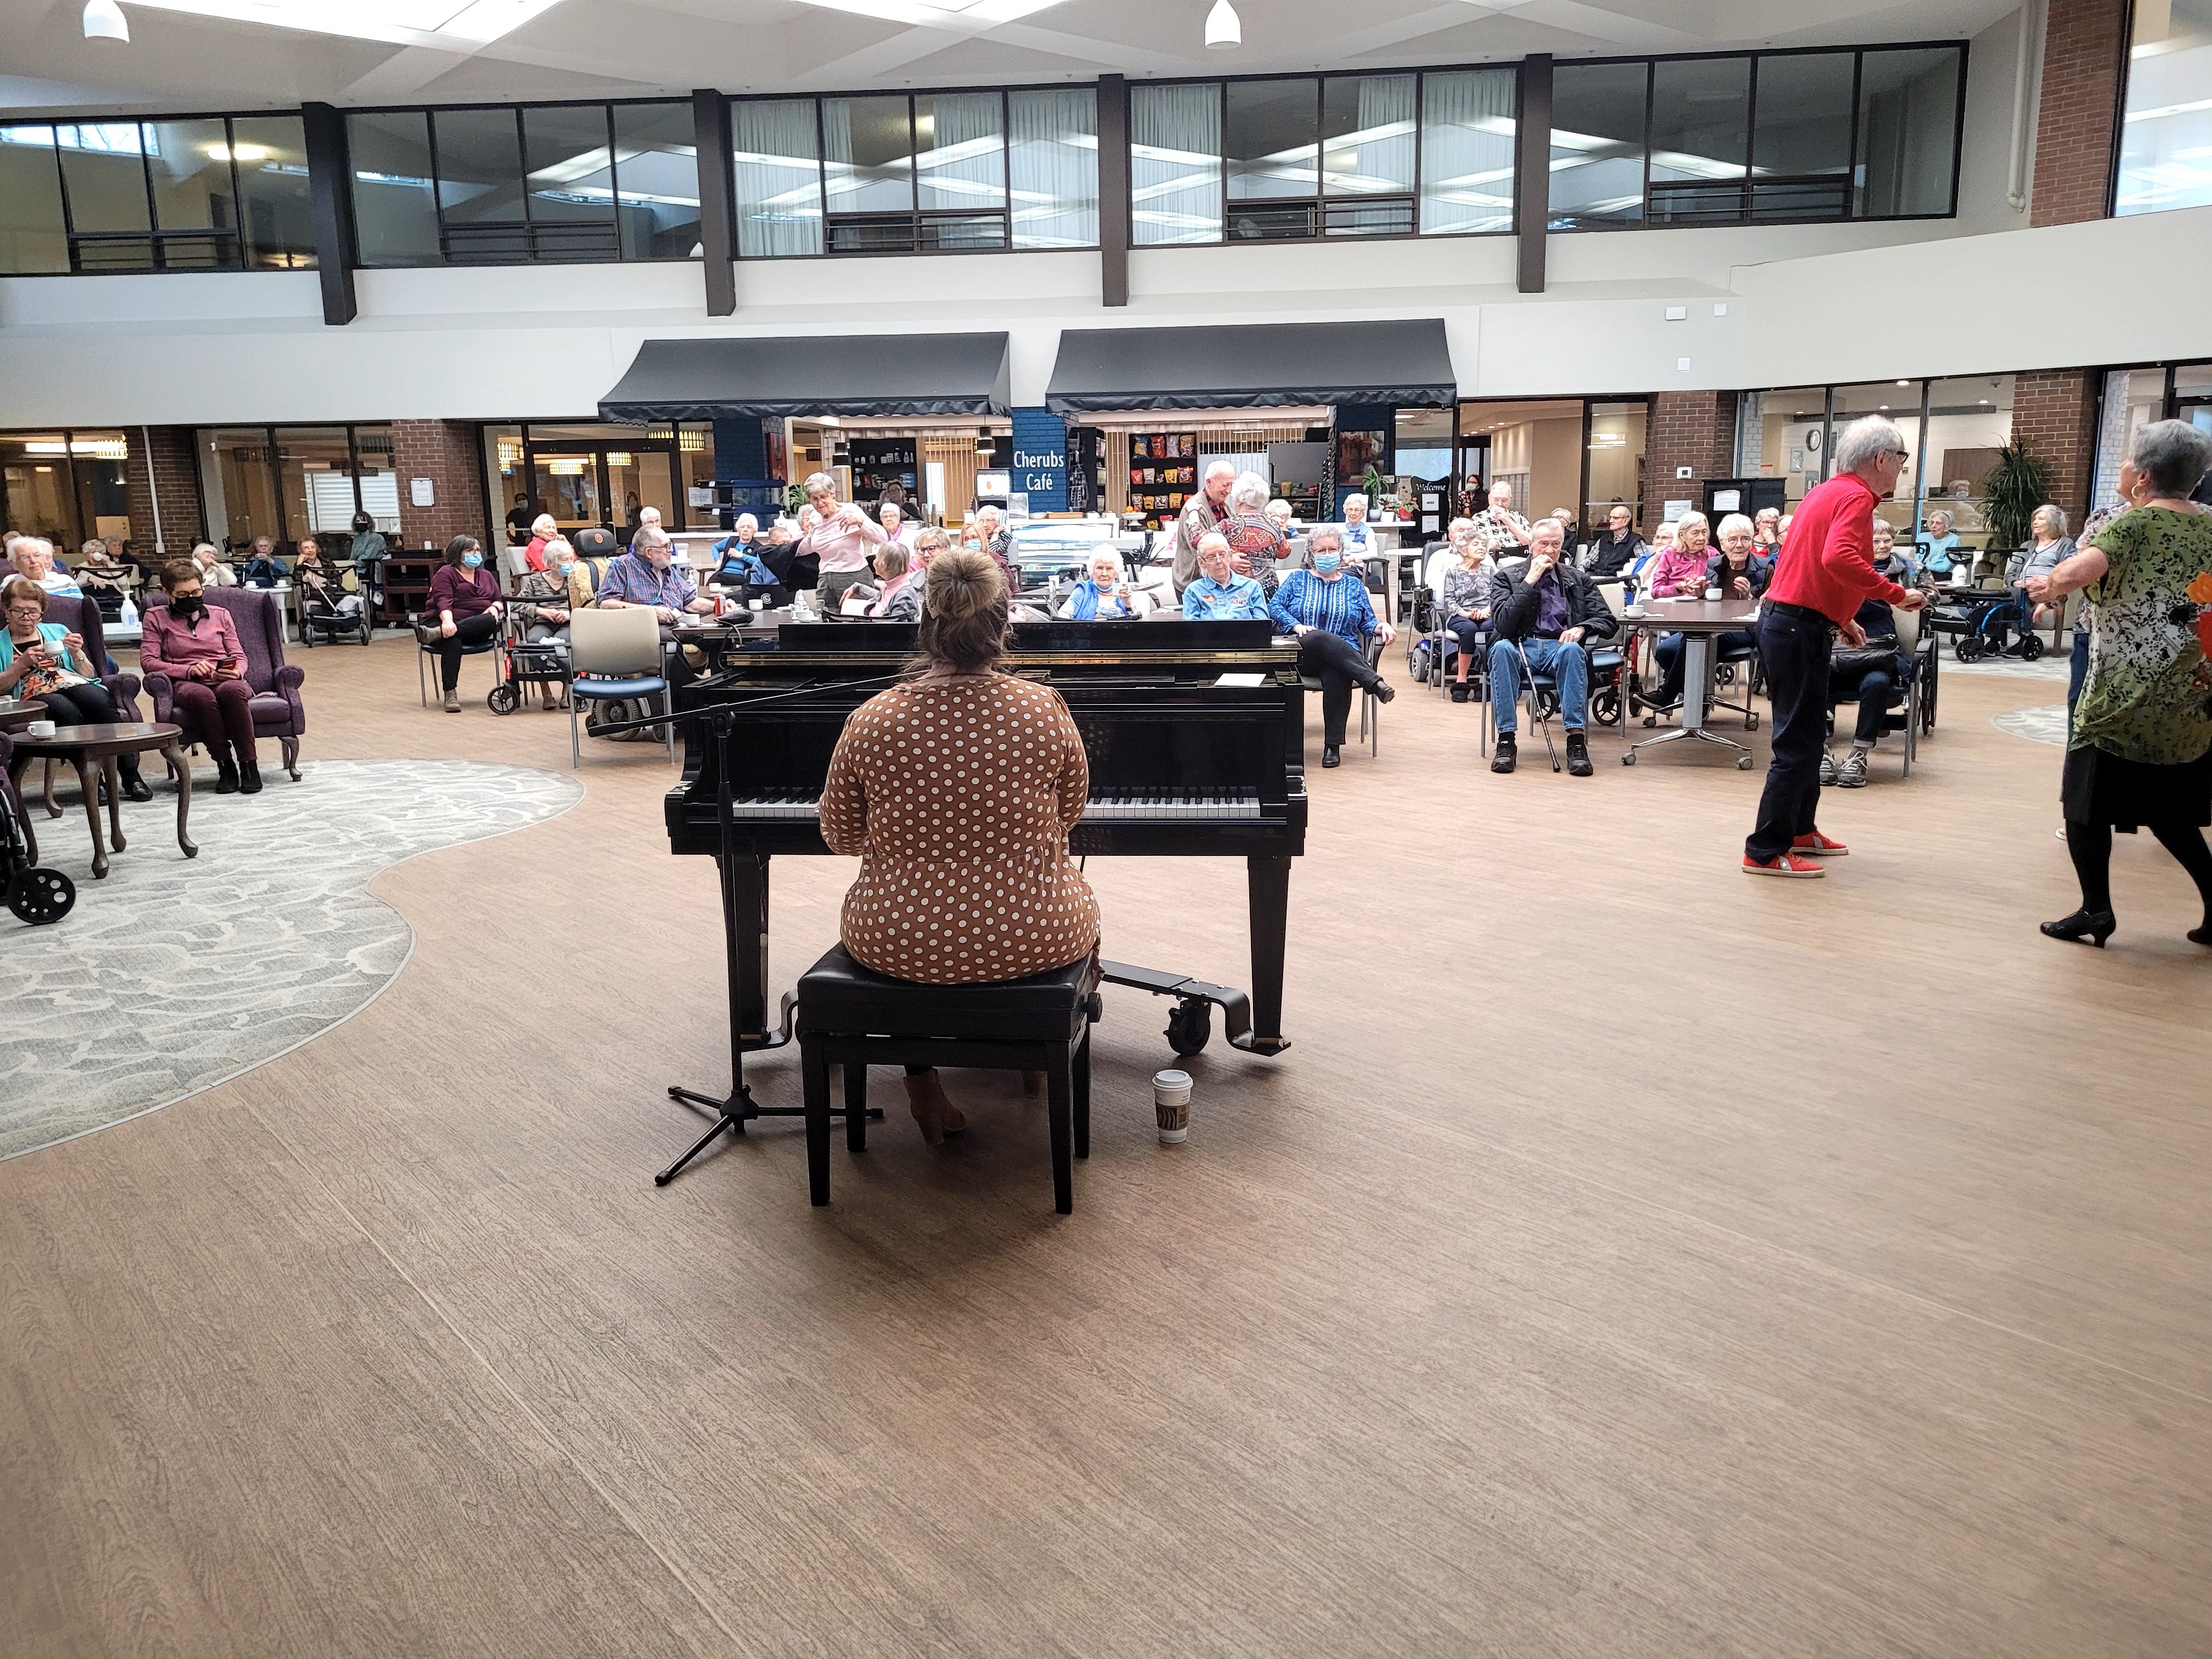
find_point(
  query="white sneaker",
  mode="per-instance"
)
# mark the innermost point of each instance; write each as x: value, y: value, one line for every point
x: 2062, y: 832
x: 1828, y: 767
x: 1852, y: 774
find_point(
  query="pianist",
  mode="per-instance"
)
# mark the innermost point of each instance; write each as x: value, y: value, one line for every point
x: 958, y: 790
x: 1333, y: 618
x: 1220, y: 594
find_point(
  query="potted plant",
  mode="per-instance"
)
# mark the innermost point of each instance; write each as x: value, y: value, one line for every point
x: 2012, y: 490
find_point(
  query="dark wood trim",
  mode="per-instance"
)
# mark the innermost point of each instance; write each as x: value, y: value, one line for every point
x: 330, y: 193
x: 1532, y: 192
x: 718, y: 212
x: 1113, y: 190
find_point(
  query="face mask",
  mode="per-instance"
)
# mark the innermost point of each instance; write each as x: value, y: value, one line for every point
x: 472, y: 560
x: 188, y: 607
x: 566, y: 568
x: 1326, y: 563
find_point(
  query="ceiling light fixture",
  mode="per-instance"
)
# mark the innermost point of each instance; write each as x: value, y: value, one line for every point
x: 104, y: 21
x: 453, y: 25
x: 241, y: 153
x: 1223, y: 31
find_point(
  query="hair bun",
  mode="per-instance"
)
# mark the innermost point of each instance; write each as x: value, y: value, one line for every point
x: 963, y: 584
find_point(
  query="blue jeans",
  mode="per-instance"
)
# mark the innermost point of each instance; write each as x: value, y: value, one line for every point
x: 1567, y: 666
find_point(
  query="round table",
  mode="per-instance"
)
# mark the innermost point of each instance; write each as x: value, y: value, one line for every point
x: 16, y: 713
x: 92, y: 750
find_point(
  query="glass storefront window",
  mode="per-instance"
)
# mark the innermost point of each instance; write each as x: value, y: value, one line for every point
x: 1367, y: 126
x: 275, y: 216
x: 1800, y: 137
x: 106, y: 177
x: 1968, y: 421
x: 960, y: 144
x: 1908, y: 132
x: 2166, y: 135
x: 1271, y: 138
x: 1467, y: 151
x: 188, y: 165
x: 1597, y: 144
x: 238, y: 481
x: 1615, y: 466
x: 479, y: 153
x: 1175, y: 164
x: 34, y: 475
x: 657, y: 178
x: 395, y: 207
x: 1700, y: 138
x: 867, y: 163
x: 314, y: 468
x: 778, y: 154
x: 1783, y: 434
x: 570, y: 164
x: 1899, y: 400
x: 1052, y: 160
x: 31, y: 234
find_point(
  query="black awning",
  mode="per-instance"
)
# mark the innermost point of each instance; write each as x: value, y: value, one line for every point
x: 812, y: 375
x: 1253, y: 366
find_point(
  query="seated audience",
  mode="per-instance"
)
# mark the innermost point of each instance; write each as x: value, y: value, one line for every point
x: 196, y: 644
x: 1636, y: 578
x: 1612, y: 552
x: 93, y: 572
x: 984, y: 534
x: 1740, y: 572
x: 43, y: 659
x: 897, y: 527
x: 1939, y: 546
x: 1105, y: 595
x: 1218, y: 592
x: 1767, y: 530
x: 1680, y: 573
x: 32, y: 558
x: 265, y: 568
x: 543, y: 601
x: 213, y: 573
x: 543, y: 529
x: 1359, y: 540
x: 964, y: 873
x: 1279, y: 515
x: 1544, y: 610
x: 1329, y: 611
x: 1467, y: 590
x: 321, y: 593
x: 648, y: 575
x: 465, y: 605
x: 898, y: 594
x: 739, y: 558
x: 1894, y: 562
x: 1875, y: 672
x: 1500, y: 529
x: 2048, y: 546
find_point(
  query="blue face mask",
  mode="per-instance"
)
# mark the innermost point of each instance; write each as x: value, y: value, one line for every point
x: 1327, y: 563
x: 567, y: 566
x: 472, y: 560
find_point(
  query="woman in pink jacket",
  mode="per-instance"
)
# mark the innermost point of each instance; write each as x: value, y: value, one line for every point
x: 195, y: 645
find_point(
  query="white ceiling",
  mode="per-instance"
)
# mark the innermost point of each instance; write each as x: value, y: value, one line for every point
x: 629, y: 48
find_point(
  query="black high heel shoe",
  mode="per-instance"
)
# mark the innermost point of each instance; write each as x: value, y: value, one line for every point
x: 2094, y: 926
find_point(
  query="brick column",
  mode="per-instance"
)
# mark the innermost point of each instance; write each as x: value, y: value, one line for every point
x: 175, y: 489
x: 2078, y: 114
x: 446, y: 454
x: 2054, y: 414
x: 1696, y: 430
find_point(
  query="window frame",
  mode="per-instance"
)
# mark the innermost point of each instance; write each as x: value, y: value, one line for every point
x: 527, y: 224
x: 155, y: 235
x: 1750, y: 144
x: 917, y: 213
x: 269, y: 429
x: 73, y: 489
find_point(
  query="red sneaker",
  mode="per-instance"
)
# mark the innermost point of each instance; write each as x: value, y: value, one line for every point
x: 1818, y: 846
x: 1789, y: 864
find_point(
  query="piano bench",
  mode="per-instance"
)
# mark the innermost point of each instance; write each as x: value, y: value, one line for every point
x: 856, y: 1017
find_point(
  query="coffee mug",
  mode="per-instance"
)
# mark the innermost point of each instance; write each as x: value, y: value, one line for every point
x: 39, y: 729
x: 1712, y: 593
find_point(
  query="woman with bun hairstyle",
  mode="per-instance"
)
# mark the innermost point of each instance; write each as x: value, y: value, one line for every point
x: 958, y: 789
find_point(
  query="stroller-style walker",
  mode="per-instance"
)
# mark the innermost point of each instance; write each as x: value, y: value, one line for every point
x: 526, y: 662
x: 35, y: 896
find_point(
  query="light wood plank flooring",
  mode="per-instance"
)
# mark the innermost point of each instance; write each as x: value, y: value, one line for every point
x: 1629, y: 1259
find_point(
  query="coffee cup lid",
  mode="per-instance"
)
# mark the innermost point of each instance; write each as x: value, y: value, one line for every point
x: 1171, y: 1080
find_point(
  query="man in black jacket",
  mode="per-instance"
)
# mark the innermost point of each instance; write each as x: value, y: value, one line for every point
x: 1545, y: 610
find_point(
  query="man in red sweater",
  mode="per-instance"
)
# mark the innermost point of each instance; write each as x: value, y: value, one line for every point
x: 1825, y: 572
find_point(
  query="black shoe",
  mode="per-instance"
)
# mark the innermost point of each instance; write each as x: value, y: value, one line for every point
x: 2095, y: 926
x: 2201, y: 935
x: 1578, y: 760
x: 1502, y: 761
x: 226, y: 777
x: 249, y: 778
x: 1329, y: 757
x: 135, y: 786
x: 1459, y: 691
x: 1383, y: 690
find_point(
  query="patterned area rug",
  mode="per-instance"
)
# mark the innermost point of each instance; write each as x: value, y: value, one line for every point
x: 171, y: 976
x: 2036, y: 725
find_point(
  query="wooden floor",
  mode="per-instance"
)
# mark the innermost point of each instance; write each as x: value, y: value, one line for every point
x: 1629, y: 1259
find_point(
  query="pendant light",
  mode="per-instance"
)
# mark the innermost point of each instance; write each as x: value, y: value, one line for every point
x: 104, y: 21
x: 1223, y: 31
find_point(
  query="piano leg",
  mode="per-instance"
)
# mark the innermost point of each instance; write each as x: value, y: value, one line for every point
x: 1267, y: 881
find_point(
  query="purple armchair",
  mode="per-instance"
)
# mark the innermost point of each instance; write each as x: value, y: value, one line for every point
x: 82, y: 616
x: 277, y: 711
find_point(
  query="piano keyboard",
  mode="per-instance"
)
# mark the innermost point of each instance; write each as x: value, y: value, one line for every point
x: 1123, y: 807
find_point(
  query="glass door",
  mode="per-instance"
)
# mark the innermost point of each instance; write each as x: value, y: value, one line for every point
x: 567, y: 484
x: 639, y: 478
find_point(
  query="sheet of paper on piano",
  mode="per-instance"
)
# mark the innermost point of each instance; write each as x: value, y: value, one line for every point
x: 1242, y: 680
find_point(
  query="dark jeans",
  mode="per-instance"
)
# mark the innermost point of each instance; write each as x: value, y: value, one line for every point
x: 220, y: 714
x: 1474, y: 639
x: 467, y: 630
x: 1877, y: 692
x: 2077, y: 669
x: 89, y: 704
x: 1794, y: 643
x: 1339, y: 665
x: 1670, y: 657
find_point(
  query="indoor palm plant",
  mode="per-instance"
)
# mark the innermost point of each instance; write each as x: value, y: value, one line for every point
x: 2013, y: 489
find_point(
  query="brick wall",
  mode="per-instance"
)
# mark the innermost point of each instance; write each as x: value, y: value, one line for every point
x: 2077, y: 117
x: 176, y: 489
x: 1696, y: 430
x: 2053, y: 416
x: 445, y: 452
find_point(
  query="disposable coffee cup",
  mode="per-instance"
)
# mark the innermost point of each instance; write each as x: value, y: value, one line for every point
x: 1171, y: 1106
x: 1712, y: 593
x: 46, y: 729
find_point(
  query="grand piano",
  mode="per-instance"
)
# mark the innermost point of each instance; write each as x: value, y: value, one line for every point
x: 1193, y: 733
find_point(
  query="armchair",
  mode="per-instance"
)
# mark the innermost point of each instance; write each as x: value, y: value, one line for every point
x: 277, y: 709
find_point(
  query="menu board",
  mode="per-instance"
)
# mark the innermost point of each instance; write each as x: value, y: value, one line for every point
x: 1163, y: 474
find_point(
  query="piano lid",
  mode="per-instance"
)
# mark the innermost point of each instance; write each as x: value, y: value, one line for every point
x: 1406, y: 363
x: 775, y: 375
x: 1120, y: 638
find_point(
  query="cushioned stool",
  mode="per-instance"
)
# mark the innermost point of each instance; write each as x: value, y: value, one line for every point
x: 857, y: 1018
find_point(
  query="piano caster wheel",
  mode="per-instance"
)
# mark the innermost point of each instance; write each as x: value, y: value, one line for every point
x: 1751, y: 723
x: 1189, y: 1027
x: 1743, y: 763
x: 1628, y: 757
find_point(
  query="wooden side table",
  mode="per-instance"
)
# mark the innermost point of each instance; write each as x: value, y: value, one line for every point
x: 92, y: 750
x: 17, y: 712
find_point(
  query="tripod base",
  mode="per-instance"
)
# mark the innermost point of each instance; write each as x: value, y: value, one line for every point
x: 732, y: 1113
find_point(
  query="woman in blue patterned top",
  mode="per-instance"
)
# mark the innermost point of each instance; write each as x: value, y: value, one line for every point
x: 1329, y: 612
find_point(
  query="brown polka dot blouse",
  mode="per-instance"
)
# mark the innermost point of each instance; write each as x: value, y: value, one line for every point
x: 959, y: 795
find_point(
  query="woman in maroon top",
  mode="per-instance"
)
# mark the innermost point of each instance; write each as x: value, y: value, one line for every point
x: 465, y: 600
x: 196, y: 646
